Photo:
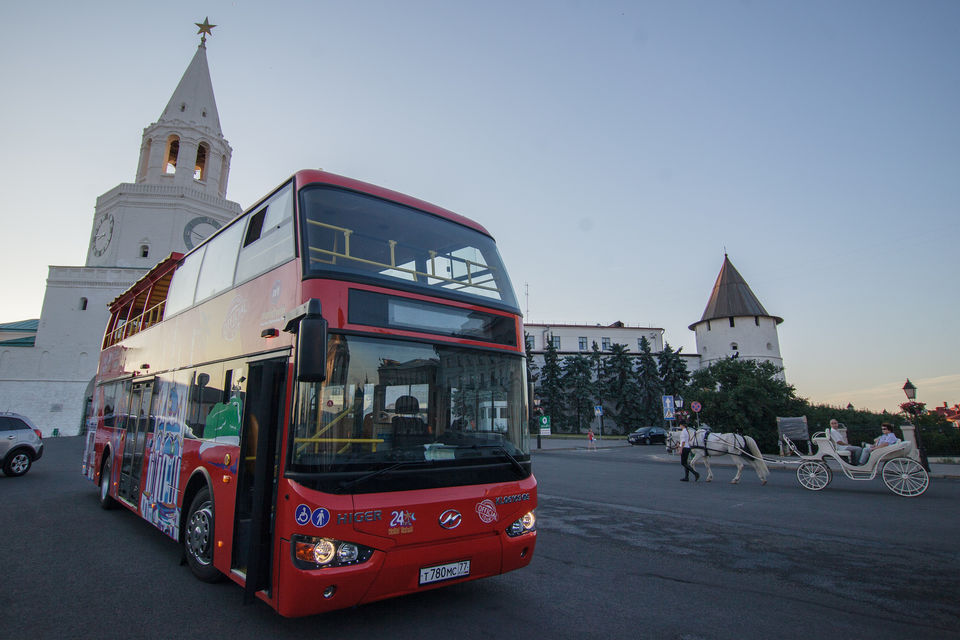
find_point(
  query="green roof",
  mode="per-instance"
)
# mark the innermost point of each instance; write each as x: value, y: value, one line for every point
x: 19, y: 342
x: 22, y: 325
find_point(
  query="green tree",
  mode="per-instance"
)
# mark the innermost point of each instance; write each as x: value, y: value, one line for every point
x: 620, y: 385
x: 649, y: 388
x: 673, y: 371
x: 532, y: 376
x: 551, y: 386
x: 580, y: 389
x: 597, y: 358
x: 740, y: 394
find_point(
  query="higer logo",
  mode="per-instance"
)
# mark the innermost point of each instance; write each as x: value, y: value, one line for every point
x: 450, y: 519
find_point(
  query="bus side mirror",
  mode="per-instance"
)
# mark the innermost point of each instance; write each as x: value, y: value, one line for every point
x: 312, y: 349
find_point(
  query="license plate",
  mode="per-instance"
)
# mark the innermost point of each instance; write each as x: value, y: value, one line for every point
x: 445, y: 572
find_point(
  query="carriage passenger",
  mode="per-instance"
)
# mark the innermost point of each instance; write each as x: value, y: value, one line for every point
x: 840, y: 441
x: 886, y: 439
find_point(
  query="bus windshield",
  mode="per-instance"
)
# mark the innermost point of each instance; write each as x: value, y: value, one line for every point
x: 366, y: 237
x: 411, y: 407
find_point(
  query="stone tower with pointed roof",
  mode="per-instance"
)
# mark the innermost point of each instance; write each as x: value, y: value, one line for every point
x: 177, y: 200
x: 734, y: 323
x: 179, y: 195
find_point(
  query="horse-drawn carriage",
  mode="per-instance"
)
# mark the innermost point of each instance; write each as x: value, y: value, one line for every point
x: 897, y: 464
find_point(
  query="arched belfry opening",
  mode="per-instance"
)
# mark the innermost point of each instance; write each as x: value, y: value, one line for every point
x: 200, y: 167
x: 173, y: 152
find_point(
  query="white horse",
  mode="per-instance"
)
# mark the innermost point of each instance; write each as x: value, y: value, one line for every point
x: 738, y: 448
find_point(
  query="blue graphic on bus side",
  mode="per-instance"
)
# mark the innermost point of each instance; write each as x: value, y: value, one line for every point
x: 320, y: 517
x: 303, y: 514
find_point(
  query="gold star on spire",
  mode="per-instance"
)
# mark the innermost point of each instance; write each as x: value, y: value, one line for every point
x: 205, y: 28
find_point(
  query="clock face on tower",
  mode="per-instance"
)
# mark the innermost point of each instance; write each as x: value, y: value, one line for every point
x: 198, y: 230
x: 102, y: 235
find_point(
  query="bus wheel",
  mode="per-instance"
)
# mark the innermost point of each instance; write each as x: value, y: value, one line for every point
x: 106, y: 502
x: 198, y: 537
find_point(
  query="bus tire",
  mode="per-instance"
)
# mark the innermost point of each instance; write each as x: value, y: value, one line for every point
x: 198, y: 537
x: 103, y: 491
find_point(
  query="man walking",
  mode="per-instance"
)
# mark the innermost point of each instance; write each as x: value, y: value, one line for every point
x: 684, y: 446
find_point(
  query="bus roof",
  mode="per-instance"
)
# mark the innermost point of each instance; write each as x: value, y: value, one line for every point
x: 318, y: 176
x: 163, y: 270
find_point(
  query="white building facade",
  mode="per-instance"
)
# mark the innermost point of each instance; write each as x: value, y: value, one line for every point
x: 177, y: 200
x: 734, y: 324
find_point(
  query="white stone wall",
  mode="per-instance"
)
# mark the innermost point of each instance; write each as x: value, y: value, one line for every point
x: 570, y: 337
x: 155, y: 215
x: 47, y: 382
x: 753, y: 342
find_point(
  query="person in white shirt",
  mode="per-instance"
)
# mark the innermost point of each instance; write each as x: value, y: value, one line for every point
x: 840, y: 441
x: 684, y: 446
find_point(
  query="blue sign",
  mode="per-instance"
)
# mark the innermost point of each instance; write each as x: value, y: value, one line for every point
x: 598, y: 410
x: 320, y: 517
x: 669, y: 412
x: 303, y: 514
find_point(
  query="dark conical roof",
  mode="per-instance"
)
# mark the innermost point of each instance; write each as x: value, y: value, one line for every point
x: 732, y: 297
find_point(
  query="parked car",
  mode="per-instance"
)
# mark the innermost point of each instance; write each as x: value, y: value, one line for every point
x: 20, y: 443
x: 647, y: 435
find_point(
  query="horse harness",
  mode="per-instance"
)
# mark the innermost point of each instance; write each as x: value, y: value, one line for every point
x: 738, y: 442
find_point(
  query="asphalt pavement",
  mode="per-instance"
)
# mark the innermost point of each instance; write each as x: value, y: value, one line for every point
x: 657, y: 452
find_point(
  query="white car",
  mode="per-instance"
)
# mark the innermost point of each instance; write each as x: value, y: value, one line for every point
x: 20, y: 443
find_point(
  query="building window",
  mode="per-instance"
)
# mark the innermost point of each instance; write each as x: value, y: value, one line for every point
x: 605, y: 344
x: 756, y: 320
x: 555, y: 341
x: 731, y: 321
x: 708, y: 325
x: 200, y: 168
x: 530, y: 343
x: 583, y: 343
x: 734, y: 347
x: 83, y: 304
x: 144, y: 251
x: 769, y: 347
x: 173, y: 150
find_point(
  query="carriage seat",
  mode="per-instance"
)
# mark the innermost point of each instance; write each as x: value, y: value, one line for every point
x: 902, y: 448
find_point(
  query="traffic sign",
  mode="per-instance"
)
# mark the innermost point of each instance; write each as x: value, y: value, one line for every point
x: 544, y: 425
x: 695, y: 406
x: 669, y: 413
x: 598, y: 410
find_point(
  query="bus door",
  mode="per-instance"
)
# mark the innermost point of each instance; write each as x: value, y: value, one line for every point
x: 137, y: 426
x: 257, y: 474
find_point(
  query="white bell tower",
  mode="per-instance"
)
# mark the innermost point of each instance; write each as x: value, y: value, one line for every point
x: 177, y: 200
x: 179, y: 195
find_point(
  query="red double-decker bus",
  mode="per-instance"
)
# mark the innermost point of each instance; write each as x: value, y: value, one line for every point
x: 325, y: 401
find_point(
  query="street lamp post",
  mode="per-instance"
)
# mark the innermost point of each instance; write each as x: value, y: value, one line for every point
x: 678, y: 401
x: 910, y: 390
x: 537, y: 412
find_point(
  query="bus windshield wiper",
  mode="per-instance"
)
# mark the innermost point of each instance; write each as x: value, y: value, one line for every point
x: 504, y: 453
x: 373, y: 474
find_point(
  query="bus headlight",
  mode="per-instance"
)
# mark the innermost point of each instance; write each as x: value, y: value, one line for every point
x: 310, y: 552
x: 526, y: 524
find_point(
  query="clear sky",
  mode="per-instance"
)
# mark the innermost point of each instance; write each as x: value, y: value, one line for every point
x: 614, y: 149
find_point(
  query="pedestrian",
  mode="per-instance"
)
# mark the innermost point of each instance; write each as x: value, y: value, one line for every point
x: 591, y: 440
x: 684, y: 446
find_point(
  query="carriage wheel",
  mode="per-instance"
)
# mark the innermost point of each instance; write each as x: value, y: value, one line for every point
x: 814, y: 475
x: 905, y: 477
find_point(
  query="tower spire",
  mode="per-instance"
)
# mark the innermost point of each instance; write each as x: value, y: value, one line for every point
x: 206, y: 29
